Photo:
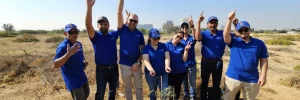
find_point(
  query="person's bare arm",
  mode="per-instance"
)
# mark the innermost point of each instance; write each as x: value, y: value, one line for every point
x: 120, y: 14
x: 186, y: 51
x: 147, y: 62
x: 227, y: 29
x: 264, y: 68
x: 191, y: 24
x: 128, y: 14
x: 198, y: 35
x: 88, y: 19
x: 167, y: 60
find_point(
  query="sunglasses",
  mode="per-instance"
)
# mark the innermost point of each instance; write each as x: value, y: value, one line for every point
x: 134, y: 21
x: 243, y: 30
x: 158, y: 38
x: 73, y: 32
x: 178, y: 37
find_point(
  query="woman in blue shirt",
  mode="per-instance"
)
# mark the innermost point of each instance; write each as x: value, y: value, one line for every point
x: 157, y: 61
x: 178, y: 55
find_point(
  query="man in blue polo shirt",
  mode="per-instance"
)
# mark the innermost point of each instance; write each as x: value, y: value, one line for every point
x: 70, y: 59
x: 190, y: 78
x: 105, y: 49
x: 212, y: 50
x: 246, y: 53
x: 131, y: 44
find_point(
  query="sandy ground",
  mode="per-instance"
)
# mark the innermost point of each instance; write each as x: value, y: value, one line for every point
x: 281, y: 64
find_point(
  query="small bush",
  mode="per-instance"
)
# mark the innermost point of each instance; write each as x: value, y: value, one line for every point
x: 7, y: 34
x: 279, y: 42
x: 292, y: 81
x: 297, y: 67
x: 26, y: 38
x: 290, y: 38
x: 54, y: 39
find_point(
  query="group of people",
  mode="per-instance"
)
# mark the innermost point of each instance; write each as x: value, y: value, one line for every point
x: 169, y: 64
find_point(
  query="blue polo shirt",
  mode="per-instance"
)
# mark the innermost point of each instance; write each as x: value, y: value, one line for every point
x: 176, y: 53
x: 212, y: 46
x: 157, y: 58
x: 244, y: 59
x: 130, y: 45
x: 72, y: 71
x: 105, y: 48
x: 191, y: 61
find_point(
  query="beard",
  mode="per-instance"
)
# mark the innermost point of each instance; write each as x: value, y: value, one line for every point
x: 104, y: 30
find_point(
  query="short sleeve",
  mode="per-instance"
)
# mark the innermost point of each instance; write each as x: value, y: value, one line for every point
x: 94, y: 40
x: 232, y: 42
x: 115, y: 34
x: 263, y: 51
x: 203, y: 35
x: 60, y: 51
x: 145, y: 50
x: 165, y: 48
x: 119, y: 31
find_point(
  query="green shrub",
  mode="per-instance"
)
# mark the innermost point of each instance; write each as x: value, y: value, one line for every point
x: 279, y: 42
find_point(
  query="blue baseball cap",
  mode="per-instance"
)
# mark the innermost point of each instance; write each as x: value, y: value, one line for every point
x: 242, y: 24
x: 68, y: 27
x: 154, y: 33
x: 212, y: 18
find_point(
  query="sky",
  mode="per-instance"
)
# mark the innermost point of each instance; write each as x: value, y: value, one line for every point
x: 55, y: 14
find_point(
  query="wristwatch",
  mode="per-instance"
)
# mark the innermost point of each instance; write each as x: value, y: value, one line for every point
x: 139, y: 63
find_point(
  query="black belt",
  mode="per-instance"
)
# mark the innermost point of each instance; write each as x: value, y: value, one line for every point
x: 107, y: 66
x: 209, y: 60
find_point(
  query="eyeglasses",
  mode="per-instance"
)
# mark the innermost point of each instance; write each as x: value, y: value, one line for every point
x: 243, y: 30
x: 73, y: 32
x: 158, y: 38
x: 178, y: 37
x: 134, y: 21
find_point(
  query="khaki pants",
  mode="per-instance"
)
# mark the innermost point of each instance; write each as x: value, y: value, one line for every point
x: 232, y: 86
x: 127, y: 75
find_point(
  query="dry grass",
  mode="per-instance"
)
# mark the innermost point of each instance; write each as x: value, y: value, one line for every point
x: 277, y: 60
x: 26, y: 38
x: 269, y: 90
x: 54, y: 39
x: 291, y: 81
x: 279, y: 42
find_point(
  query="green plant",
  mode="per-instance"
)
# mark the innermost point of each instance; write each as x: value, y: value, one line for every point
x: 297, y: 67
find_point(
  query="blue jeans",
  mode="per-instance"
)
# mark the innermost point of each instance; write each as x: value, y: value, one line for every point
x: 190, y: 81
x: 104, y: 76
x: 154, y: 81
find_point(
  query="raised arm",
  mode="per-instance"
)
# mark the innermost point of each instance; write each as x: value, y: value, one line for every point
x: 127, y: 14
x: 120, y: 14
x: 88, y: 19
x: 198, y: 35
x: 235, y: 22
x: 191, y: 24
x: 186, y: 51
x: 227, y: 29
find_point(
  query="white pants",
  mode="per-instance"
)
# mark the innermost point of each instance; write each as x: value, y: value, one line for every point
x: 232, y: 86
x: 127, y: 75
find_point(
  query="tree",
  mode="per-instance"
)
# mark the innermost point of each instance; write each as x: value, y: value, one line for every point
x: 167, y: 27
x: 143, y: 30
x: 8, y: 27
